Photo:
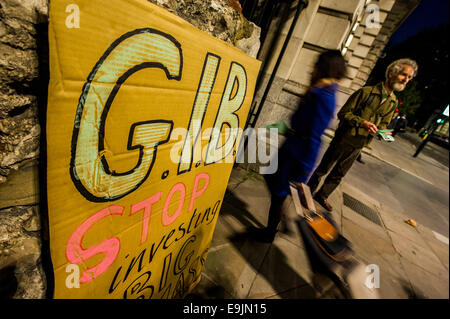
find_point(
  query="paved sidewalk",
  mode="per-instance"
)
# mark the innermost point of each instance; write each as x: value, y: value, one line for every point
x: 413, y: 262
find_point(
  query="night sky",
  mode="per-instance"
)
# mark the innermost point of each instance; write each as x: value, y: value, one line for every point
x: 428, y: 14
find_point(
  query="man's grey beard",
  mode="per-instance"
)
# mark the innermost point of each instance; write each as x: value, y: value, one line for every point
x: 398, y: 87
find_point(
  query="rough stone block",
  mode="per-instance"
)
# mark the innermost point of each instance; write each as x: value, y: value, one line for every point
x: 21, y: 188
x: 251, y: 44
x: 20, y: 247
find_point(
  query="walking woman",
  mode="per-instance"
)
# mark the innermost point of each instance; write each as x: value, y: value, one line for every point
x: 298, y: 154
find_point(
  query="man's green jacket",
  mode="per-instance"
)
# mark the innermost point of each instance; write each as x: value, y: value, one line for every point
x: 360, y: 108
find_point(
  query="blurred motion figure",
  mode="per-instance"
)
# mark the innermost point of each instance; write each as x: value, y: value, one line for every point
x: 298, y: 154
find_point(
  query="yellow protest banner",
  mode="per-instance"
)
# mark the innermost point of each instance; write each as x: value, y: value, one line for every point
x: 143, y: 122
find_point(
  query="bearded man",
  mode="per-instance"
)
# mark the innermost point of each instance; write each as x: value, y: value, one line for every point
x: 367, y: 110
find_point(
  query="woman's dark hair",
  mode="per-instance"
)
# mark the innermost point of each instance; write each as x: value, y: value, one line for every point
x: 330, y: 64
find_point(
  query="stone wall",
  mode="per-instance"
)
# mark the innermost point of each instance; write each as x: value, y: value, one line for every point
x: 22, y: 32
x: 23, y: 92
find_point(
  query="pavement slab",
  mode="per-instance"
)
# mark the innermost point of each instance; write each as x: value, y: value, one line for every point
x: 425, y: 284
x: 396, y: 223
x: 237, y: 176
x: 303, y: 292
x: 288, y: 228
x: 336, y: 201
x: 350, y: 215
x: 234, y: 266
x: 418, y: 255
x: 440, y: 249
x: 284, y: 268
x: 208, y: 289
x: 231, y: 221
x: 253, y: 197
x: 374, y: 250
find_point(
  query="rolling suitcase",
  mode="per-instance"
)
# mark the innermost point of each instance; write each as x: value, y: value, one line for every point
x: 330, y: 254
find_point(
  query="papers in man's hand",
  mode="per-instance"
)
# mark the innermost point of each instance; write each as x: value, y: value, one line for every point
x: 382, y: 134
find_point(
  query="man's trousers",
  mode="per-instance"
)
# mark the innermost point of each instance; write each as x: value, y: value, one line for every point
x: 340, y: 155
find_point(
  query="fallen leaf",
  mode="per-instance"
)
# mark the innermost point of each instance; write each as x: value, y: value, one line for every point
x: 411, y: 222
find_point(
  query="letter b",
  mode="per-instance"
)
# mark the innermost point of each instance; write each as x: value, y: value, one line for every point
x: 237, y: 84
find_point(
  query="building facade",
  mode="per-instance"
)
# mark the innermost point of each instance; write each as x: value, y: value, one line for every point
x: 360, y: 29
